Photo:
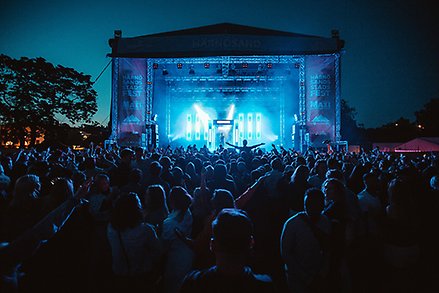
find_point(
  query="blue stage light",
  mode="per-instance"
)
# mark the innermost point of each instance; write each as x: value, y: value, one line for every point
x: 241, y: 125
x: 250, y: 125
x: 197, y: 127
x: 258, y: 125
x: 189, y: 127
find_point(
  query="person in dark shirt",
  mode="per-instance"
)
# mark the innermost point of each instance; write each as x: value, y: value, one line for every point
x: 245, y: 148
x: 220, y: 180
x: 231, y: 243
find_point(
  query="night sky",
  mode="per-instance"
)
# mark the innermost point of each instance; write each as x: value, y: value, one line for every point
x: 390, y: 67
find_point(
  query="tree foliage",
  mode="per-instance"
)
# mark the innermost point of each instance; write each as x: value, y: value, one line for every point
x: 427, y: 118
x: 34, y: 94
x: 350, y: 130
x: 400, y: 130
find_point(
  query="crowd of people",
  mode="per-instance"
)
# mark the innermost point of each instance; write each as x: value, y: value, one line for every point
x: 239, y: 219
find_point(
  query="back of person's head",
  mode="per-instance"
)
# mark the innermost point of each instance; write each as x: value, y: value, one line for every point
x: 178, y: 173
x: 399, y: 193
x: 136, y: 175
x: 221, y: 199
x: 334, y: 190
x: 139, y: 152
x: 179, y: 199
x: 244, y: 142
x: 155, y: 157
x: 332, y: 163
x: 155, y: 169
x: 276, y: 164
x: 127, y: 212
x: 300, y: 174
x: 127, y: 154
x: 155, y: 198
x: 314, y: 202
x: 300, y: 161
x: 190, y: 168
x: 256, y: 174
x: 101, y: 184
x: 219, y: 172
x: 370, y: 180
x: 241, y: 167
x: 166, y: 162
x: 209, y: 172
x: 335, y: 173
x: 320, y: 167
x: 198, y: 163
x: 39, y: 168
x: 288, y: 170
x: 27, y: 188
x: 232, y: 232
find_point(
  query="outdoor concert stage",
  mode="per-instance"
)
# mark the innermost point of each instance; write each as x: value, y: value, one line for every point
x: 225, y: 83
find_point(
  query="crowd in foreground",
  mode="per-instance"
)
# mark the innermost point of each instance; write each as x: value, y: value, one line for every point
x: 234, y: 220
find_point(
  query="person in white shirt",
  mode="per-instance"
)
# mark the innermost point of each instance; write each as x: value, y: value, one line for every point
x: 370, y: 204
x: 305, y: 244
x: 135, y: 247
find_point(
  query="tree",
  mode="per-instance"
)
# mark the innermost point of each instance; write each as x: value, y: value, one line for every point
x: 398, y: 131
x: 427, y: 118
x: 34, y: 94
x: 351, y: 131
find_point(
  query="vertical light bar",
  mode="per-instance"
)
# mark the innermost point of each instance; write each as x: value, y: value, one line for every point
x: 210, y: 135
x: 241, y: 125
x: 197, y: 127
x: 206, y: 130
x: 189, y: 127
x: 258, y: 125
x: 250, y: 125
x: 236, y: 133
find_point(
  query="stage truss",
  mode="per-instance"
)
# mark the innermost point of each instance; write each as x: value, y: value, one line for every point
x: 151, y: 65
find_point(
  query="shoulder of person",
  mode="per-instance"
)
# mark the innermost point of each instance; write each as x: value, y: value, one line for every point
x: 260, y: 278
x: 148, y: 227
x: 195, y: 281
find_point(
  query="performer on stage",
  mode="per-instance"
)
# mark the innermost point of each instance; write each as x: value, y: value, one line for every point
x: 244, y: 147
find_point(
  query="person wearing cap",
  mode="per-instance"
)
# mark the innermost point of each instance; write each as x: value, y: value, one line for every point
x: 231, y: 242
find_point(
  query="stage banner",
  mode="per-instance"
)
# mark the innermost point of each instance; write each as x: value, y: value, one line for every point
x: 320, y: 99
x: 131, y: 101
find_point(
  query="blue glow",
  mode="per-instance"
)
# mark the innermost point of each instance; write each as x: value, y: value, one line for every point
x: 250, y: 125
x: 231, y: 113
x: 241, y: 125
x: 197, y: 127
x: 258, y: 125
x: 189, y: 127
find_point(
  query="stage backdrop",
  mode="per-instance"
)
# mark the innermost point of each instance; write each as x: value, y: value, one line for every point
x: 131, y: 100
x: 321, y: 96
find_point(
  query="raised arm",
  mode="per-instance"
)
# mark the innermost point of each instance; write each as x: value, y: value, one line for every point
x: 257, y: 145
x: 235, y: 146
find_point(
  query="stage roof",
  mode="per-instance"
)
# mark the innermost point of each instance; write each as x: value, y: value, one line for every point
x: 224, y: 39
